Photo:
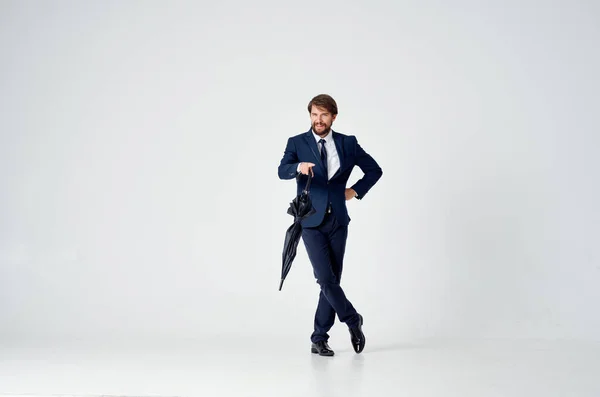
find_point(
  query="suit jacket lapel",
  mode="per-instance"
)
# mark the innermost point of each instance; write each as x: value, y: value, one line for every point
x: 310, y: 140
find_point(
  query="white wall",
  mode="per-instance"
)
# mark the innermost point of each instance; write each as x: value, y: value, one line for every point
x: 140, y: 142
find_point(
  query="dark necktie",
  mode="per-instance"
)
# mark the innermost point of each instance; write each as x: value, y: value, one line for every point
x: 324, y: 156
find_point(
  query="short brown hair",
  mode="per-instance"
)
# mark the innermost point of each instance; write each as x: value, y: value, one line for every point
x: 323, y: 101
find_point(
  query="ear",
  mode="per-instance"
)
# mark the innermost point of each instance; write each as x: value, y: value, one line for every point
x: 333, y: 118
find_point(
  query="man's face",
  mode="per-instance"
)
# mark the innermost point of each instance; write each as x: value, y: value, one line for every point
x: 321, y: 120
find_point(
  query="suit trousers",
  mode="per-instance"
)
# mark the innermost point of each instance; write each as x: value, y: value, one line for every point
x: 325, y: 245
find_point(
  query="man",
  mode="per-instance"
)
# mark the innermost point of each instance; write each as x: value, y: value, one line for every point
x: 330, y: 157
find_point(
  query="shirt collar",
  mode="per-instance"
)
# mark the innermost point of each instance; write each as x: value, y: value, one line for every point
x: 328, y: 138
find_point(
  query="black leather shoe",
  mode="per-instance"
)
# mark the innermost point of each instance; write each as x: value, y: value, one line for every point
x: 321, y: 348
x: 357, y: 337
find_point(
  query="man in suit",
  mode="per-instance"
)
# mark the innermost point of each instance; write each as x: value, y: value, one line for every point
x: 330, y: 157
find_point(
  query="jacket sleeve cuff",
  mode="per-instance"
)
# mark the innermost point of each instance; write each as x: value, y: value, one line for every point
x: 358, y: 196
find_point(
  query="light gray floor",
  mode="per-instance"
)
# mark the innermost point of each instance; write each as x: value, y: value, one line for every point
x: 253, y: 367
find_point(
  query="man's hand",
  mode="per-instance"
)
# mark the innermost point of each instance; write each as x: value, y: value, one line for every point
x: 305, y: 167
x: 350, y: 194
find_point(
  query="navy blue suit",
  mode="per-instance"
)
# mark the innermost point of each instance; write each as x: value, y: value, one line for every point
x: 324, y: 233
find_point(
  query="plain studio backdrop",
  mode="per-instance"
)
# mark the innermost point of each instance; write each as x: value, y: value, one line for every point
x: 139, y: 151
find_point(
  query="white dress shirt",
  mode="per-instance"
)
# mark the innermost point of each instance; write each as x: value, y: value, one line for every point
x: 333, y: 159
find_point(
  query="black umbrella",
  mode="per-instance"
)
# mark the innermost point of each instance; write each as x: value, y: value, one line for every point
x: 300, y: 208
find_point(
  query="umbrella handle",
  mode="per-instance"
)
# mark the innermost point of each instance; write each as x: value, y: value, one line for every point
x: 307, y: 187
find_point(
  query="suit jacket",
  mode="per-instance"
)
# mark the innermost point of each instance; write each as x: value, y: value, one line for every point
x: 303, y: 148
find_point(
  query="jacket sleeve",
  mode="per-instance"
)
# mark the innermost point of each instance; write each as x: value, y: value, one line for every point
x: 289, y: 163
x: 372, y: 171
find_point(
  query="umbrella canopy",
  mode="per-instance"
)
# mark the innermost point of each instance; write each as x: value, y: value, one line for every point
x: 300, y: 208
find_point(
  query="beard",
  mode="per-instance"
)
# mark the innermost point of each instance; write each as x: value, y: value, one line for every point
x: 326, y: 131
